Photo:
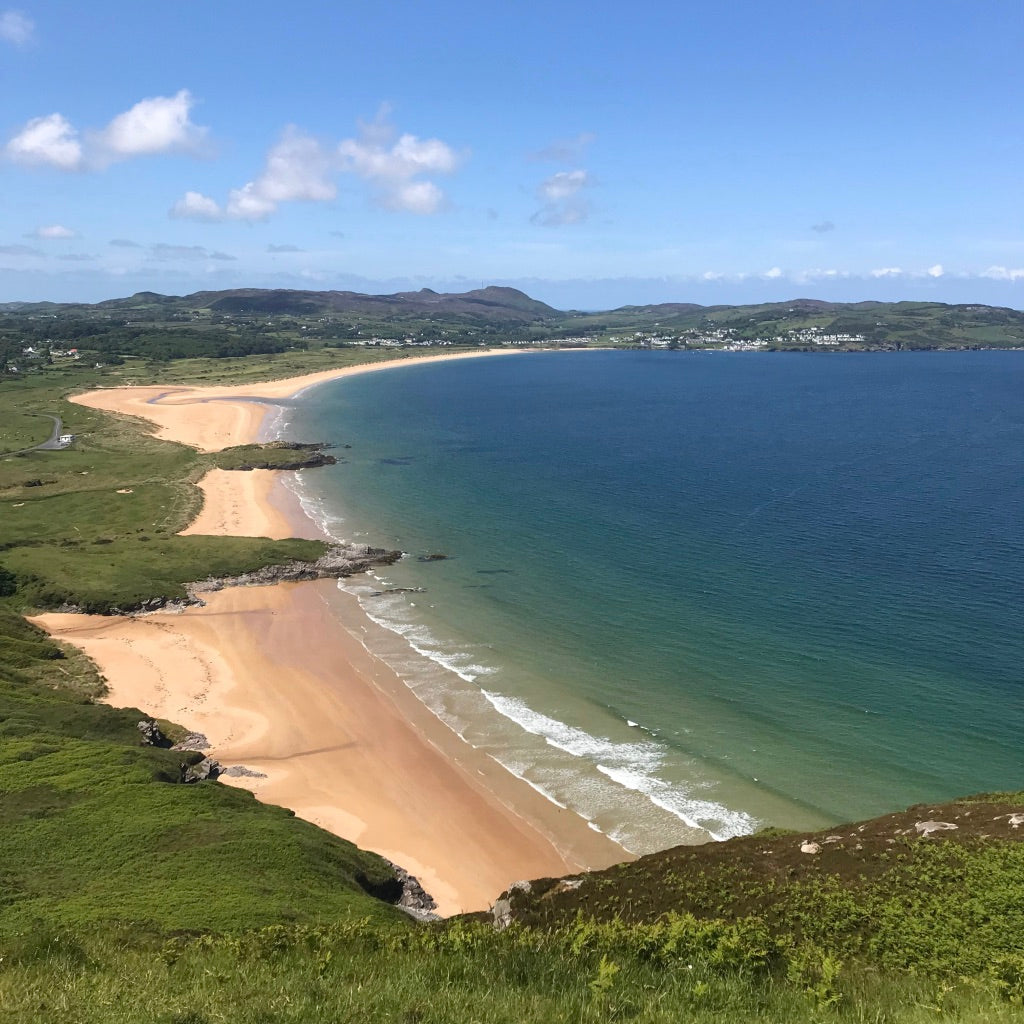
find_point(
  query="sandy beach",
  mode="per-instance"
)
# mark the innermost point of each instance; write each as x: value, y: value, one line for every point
x: 279, y: 680
x: 218, y: 417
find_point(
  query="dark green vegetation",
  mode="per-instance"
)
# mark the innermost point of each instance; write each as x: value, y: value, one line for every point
x: 274, y: 455
x: 230, y: 324
x: 933, y: 889
x: 128, y: 897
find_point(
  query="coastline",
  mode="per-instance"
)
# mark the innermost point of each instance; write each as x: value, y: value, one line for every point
x: 280, y: 680
x: 212, y: 418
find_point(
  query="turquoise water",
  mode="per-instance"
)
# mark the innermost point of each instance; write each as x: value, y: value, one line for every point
x: 690, y: 593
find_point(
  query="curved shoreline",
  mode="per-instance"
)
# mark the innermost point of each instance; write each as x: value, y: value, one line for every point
x: 269, y: 677
x: 212, y: 418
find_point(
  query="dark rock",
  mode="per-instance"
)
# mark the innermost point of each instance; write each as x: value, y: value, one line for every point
x: 32, y: 483
x: 201, y: 771
x: 313, y: 461
x: 152, y: 735
x: 415, y: 900
x: 237, y: 771
x: 194, y: 741
x: 339, y: 561
x: 432, y: 558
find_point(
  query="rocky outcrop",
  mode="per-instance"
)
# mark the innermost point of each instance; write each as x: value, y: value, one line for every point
x: 339, y: 561
x: 239, y: 771
x: 194, y: 741
x: 208, y: 768
x: 152, y: 735
x: 415, y: 900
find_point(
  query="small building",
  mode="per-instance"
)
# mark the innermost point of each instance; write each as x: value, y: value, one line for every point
x: 65, y: 439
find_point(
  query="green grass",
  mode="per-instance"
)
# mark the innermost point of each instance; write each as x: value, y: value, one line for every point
x: 353, y: 972
x: 125, y: 896
x: 95, y: 830
x: 96, y: 525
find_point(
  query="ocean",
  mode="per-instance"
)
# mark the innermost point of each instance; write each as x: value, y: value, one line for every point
x: 688, y: 595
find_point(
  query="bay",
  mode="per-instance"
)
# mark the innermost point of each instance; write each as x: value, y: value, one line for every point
x: 688, y: 594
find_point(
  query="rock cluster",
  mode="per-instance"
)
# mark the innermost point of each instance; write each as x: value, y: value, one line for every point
x: 415, y: 900
x: 340, y: 560
x: 152, y: 735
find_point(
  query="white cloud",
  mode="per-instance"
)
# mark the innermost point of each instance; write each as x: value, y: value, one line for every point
x: 297, y: 169
x: 196, y: 206
x: 159, y: 124
x: 562, y: 185
x: 774, y: 273
x: 53, y: 231
x: 300, y: 168
x: 1004, y: 273
x: 414, y: 197
x: 562, y: 203
x: 887, y: 272
x: 47, y: 140
x: 936, y: 271
x: 393, y: 167
x: 16, y: 28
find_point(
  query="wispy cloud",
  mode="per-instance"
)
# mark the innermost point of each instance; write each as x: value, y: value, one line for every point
x: 16, y: 28
x: 395, y: 166
x: 301, y: 168
x: 1004, y: 273
x: 284, y: 248
x: 52, y: 231
x: 159, y: 124
x: 20, y: 250
x: 196, y: 206
x: 163, y: 251
x: 561, y: 201
x: 566, y: 151
x: 124, y: 243
x: 822, y: 227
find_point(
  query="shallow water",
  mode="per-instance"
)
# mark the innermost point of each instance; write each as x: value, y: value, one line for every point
x: 689, y: 593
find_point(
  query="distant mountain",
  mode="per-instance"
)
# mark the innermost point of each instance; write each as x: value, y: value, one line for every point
x: 491, y: 304
x: 509, y: 314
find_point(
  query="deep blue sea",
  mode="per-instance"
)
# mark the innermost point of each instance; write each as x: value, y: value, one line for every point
x: 687, y: 594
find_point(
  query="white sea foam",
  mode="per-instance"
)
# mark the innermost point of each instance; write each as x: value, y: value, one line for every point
x: 630, y: 765
x: 699, y: 814
x: 571, y: 739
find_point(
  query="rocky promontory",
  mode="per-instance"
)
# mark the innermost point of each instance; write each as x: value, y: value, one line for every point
x: 339, y: 560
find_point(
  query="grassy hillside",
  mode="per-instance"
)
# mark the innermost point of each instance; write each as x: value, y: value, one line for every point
x: 95, y: 829
x: 126, y: 896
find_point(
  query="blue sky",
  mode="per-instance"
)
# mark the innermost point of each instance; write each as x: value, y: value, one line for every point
x: 592, y: 154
